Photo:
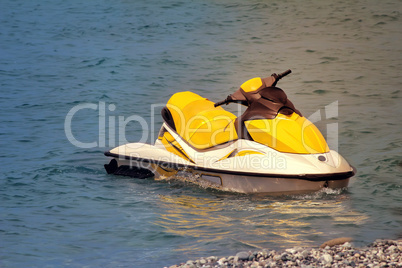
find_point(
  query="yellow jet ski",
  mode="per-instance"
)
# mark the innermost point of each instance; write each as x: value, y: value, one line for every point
x: 270, y: 148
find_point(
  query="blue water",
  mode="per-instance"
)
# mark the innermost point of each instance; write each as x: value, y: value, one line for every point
x: 124, y: 59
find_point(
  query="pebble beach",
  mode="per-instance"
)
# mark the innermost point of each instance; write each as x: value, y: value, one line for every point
x: 381, y: 253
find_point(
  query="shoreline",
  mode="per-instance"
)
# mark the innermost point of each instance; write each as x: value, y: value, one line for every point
x: 334, y: 253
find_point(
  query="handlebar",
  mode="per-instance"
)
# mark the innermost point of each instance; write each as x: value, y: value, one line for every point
x: 276, y: 76
x: 219, y: 103
x: 225, y: 101
x: 281, y: 75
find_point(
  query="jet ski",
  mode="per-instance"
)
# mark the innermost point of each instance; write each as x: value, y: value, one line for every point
x: 270, y: 148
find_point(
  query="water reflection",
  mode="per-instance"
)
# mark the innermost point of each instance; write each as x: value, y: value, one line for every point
x: 250, y: 222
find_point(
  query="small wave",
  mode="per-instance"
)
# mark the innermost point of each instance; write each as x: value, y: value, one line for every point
x: 27, y: 105
x: 104, y: 97
x: 24, y: 140
x: 373, y: 95
x: 312, y: 82
x: 320, y: 91
x: 329, y: 58
x: 184, y: 178
x: 324, y: 193
x: 93, y: 63
x: 258, y: 6
x: 387, y: 17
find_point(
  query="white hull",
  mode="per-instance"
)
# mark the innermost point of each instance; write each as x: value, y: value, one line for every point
x: 271, y: 172
x: 241, y: 183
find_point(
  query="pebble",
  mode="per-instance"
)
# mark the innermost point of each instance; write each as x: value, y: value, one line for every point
x: 305, y: 253
x: 326, y: 258
x: 242, y: 255
x: 381, y: 253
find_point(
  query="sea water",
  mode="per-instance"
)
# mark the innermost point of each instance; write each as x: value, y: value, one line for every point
x: 80, y: 77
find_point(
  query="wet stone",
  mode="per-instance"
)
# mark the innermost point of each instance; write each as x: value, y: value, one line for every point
x: 243, y: 255
x: 255, y: 265
x: 221, y: 261
x: 212, y: 259
x: 298, y: 256
x: 285, y: 257
x: 305, y: 253
x: 277, y: 257
x: 326, y: 258
x: 392, y: 248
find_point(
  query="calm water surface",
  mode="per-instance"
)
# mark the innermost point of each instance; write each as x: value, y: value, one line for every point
x: 59, y: 208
